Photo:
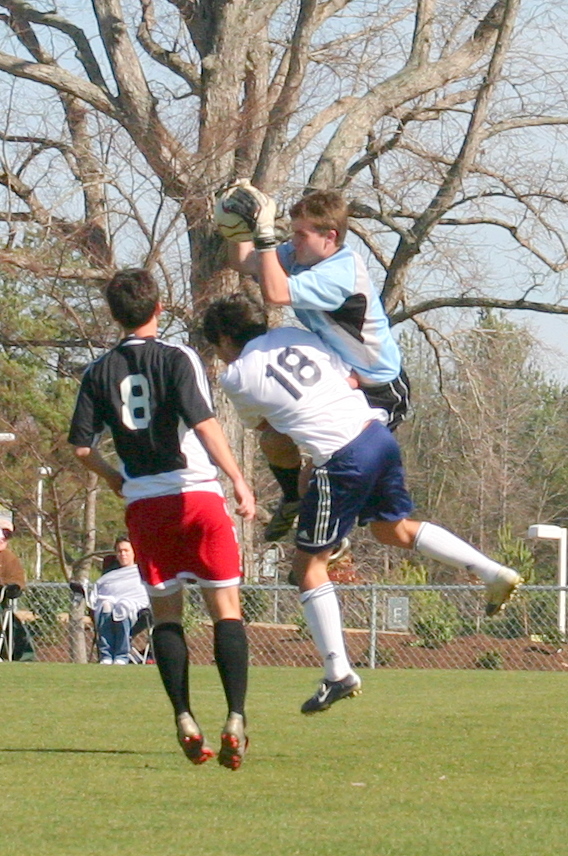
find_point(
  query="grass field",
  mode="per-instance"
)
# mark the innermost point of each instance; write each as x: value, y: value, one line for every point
x: 424, y: 763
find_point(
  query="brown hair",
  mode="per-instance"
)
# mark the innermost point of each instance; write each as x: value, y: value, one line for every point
x: 132, y: 295
x: 325, y: 209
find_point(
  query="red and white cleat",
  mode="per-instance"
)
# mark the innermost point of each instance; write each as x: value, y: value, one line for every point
x: 192, y: 741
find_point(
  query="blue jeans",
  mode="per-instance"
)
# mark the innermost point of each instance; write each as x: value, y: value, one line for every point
x: 113, y: 638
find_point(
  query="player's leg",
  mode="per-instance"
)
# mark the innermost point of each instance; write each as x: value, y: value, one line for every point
x: 231, y: 657
x: 388, y: 507
x: 172, y: 659
x: 438, y: 543
x: 161, y: 531
x: 329, y: 508
x: 285, y: 463
x: 210, y: 553
x: 336, y: 494
x: 323, y: 617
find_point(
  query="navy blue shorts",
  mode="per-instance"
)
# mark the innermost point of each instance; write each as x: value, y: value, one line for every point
x: 362, y: 482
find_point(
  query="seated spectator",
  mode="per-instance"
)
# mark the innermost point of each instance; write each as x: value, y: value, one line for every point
x: 11, y: 570
x: 12, y: 583
x: 116, y: 599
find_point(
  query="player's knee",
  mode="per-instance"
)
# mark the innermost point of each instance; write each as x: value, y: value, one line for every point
x: 398, y: 533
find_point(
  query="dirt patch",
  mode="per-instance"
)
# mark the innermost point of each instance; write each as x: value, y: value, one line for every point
x: 284, y: 645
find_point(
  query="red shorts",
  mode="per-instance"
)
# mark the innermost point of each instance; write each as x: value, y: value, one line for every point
x: 184, y: 536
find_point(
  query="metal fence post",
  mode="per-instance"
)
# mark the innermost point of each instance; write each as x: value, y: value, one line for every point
x: 373, y: 629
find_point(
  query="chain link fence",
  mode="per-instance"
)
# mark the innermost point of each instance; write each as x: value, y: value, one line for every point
x: 386, y: 626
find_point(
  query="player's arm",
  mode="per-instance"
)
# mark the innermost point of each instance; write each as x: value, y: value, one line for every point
x: 92, y: 460
x: 211, y: 435
x: 242, y: 257
x: 272, y: 279
x: 265, y: 267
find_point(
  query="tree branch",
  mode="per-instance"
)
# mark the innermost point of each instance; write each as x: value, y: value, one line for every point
x: 266, y: 173
x: 168, y: 58
x: 28, y: 261
x: 409, y: 245
x: 475, y: 303
x: 59, y: 79
x: 411, y: 82
x: 422, y: 36
x: 84, y: 52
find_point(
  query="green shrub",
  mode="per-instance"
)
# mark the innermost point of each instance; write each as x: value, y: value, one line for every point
x: 513, y: 623
x: 489, y: 660
x: 254, y: 604
x: 301, y: 625
x: 384, y: 657
x: 434, y: 619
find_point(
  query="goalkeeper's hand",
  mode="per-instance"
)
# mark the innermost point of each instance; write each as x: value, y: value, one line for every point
x: 256, y: 209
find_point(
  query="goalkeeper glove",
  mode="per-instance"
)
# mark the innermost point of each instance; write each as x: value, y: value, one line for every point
x: 256, y: 209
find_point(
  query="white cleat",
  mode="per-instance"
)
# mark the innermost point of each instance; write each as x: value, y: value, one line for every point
x: 500, y: 591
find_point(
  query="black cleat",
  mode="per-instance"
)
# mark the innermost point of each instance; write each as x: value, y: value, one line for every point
x: 331, y: 691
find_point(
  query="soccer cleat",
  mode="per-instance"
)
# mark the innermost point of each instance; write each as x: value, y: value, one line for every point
x: 501, y: 590
x: 331, y: 691
x: 234, y: 742
x: 340, y: 550
x: 282, y: 520
x: 191, y: 740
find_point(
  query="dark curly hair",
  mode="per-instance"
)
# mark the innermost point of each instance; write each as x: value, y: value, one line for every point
x: 240, y: 317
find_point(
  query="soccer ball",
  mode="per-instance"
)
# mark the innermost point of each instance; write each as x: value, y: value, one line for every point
x: 231, y: 225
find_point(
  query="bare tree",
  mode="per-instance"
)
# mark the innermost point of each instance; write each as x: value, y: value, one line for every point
x: 440, y: 121
x: 428, y: 116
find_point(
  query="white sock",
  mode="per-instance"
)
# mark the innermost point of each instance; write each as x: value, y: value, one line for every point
x: 437, y: 543
x: 321, y: 610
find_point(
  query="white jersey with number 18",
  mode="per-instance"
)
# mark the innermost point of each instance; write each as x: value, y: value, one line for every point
x: 290, y: 379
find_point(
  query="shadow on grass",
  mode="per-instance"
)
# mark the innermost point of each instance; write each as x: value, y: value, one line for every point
x: 79, y: 751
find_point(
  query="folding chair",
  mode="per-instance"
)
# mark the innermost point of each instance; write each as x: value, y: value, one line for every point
x: 143, y: 623
x: 8, y: 601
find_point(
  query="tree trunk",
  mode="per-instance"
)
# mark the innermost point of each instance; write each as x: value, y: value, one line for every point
x: 77, y: 640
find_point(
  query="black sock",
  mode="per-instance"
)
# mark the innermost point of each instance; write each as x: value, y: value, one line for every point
x: 172, y: 659
x: 287, y: 478
x: 231, y: 656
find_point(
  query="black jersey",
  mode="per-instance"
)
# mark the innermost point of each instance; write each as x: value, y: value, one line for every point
x: 149, y: 394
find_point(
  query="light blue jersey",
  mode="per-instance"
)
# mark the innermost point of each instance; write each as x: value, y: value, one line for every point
x: 336, y: 299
